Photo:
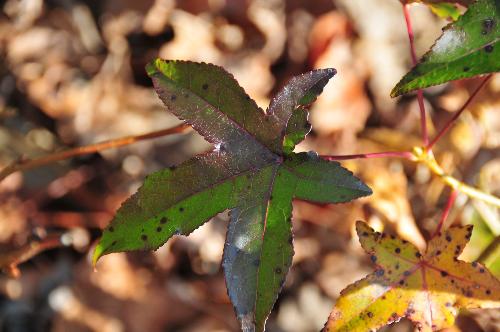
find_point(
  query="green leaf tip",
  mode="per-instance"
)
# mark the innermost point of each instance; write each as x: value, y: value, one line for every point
x: 467, y: 48
x: 251, y: 171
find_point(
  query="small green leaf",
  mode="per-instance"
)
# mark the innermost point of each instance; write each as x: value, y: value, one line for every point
x: 467, y: 48
x: 252, y: 172
x: 448, y: 11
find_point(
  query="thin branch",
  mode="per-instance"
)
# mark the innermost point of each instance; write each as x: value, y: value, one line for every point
x: 446, y: 212
x: 27, y: 164
x: 11, y: 259
x: 396, y: 154
x: 452, y: 121
x: 420, y: 95
x: 427, y: 157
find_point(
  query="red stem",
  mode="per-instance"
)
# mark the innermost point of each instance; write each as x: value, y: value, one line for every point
x: 420, y: 95
x: 446, y: 212
x: 397, y: 154
x: 451, y: 122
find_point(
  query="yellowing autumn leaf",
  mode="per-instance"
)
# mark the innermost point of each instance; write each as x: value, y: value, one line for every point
x: 428, y: 289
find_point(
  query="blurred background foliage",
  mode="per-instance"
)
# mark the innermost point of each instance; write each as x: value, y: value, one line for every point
x: 72, y: 73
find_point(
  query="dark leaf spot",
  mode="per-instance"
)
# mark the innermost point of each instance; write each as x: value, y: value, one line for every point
x: 488, y: 292
x: 181, y: 209
x: 144, y: 237
x: 173, y: 97
x: 379, y: 273
x: 205, y: 86
x: 488, y: 48
x: 481, y: 270
x: 444, y: 274
x: 438, y: 252
x: 401, y: 282
x: 406, y: 273
x: 448, y: 238
x: 278, y: 270
x: 364, y: 234
x: 466, y: 69
x: 111, y: 229
x: 488, y: 25
x: 418, y: 255
x: 474, y: 264
x: 397, y: 250
x: 113, y: 243
x: 373, y: 258
x: 163, y: 220
x: 158, y: 229
x: 369, y: 314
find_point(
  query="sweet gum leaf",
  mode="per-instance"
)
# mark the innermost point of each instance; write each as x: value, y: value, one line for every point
x: 428, y: 288
x: 252, y: 172
x: 467, y: 48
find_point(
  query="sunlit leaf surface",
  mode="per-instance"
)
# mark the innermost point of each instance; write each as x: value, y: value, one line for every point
x: 252, y: 171
x: 467, y: 48
x: 428, y: 288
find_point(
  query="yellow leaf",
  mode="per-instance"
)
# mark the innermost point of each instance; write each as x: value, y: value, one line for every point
x: 428, y: 288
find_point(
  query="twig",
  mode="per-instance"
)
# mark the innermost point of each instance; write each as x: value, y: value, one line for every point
x: 446, y: 212
x: 11, y: 259
x: 27, y: 164
x: 450, y: 123
x: 427, y: 158
x: 397, y: 154
x: 420, y: 95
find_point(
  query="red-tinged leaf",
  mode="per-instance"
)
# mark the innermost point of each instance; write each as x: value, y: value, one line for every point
x: 428, y: 288
x: 252, y: 172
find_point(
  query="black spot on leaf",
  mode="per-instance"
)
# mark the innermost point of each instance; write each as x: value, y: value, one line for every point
x: 488, y: 48
x: 144, y: 237
x: 488, y: 25
x: 444, y: 274
x: 163, y: 220
x: 369, y: 314
x: 205, y: 86
x: 158, y: 229
x: 181, y: 209
x: 379, y: 272
x: 111, y: 229
x: 373, y: 258
x: 397, y: 250
x: 173, y: 97
x: 448, y: 238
